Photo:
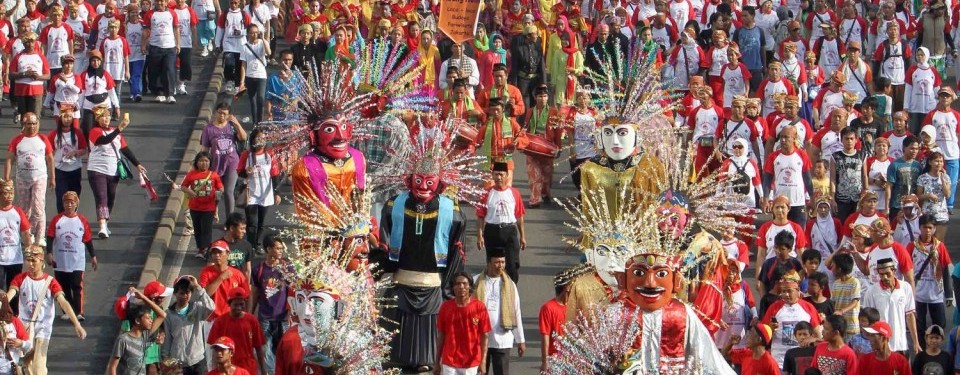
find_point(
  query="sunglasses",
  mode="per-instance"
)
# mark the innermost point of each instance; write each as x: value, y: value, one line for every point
x: 794, y: 30
x: 737, y: 147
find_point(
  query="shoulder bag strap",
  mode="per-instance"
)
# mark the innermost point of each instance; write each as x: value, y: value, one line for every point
x: 259, y: 58
x: 925, y: 263
x: 846, y: 40
x: 853, y: 72
x: 726, y: 135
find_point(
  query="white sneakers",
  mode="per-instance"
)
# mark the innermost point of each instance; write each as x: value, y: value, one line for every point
x: 171, y: 99
x: 42, y: 242
x: 182, y: 89
x: 161, y: 99
x: 104, y: 232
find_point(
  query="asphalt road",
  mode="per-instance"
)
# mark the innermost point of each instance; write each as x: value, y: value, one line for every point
x: 157, y: 135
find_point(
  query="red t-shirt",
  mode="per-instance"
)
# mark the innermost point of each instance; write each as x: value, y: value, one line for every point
x: 835, y: 362
x: 552, y: 317
x: 246, y: 334
x: 765, y: 365
x: 210, y: 273
x: 236, y: 371
x: 462, y: 328
x: 289, y: 353
x: 205, y: 184
x: 896, y: 364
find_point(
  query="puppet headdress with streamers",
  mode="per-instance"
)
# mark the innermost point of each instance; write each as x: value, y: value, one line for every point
x: 382, y: 81
x: 458, y: 169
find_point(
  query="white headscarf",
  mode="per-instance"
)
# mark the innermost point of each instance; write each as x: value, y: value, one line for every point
x: 925, y: 59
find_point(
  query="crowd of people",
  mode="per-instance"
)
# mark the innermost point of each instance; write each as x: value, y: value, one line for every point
x: 855, y: 158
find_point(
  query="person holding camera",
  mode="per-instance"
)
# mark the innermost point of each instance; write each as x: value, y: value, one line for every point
x: 253, y: 69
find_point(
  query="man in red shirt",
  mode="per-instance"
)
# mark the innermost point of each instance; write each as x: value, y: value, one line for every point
x: 833, y: 356
x: 553, y: 314
x: 463, y: 324
x: 755, y: 358
x: 882, y: 361
x: 224, y: 347
x: 244, y: 330
x: 219, y: 279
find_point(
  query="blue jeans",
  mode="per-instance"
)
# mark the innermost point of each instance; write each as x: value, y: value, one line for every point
x: 953, y: 168
x: 136, y: 77
x: 206, y: 31
x: 272, y: 330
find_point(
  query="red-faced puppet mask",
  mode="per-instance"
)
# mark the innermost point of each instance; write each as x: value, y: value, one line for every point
x: 674, y: 213
x: 331, y: 137
x: 651, y: 282
x: 424, y: 187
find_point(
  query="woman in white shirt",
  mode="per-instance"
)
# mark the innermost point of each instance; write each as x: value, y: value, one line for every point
x: 253, y: 69
x: 106, y: 145
x: 69, y: 145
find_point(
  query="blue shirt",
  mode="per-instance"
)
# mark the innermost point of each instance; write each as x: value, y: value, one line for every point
x: 751, y: 42
x: 902, y: 175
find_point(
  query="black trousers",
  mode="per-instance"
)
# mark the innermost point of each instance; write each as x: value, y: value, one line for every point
x: 506, y: 236
x: 798, y: 214
x: 845, y: 209
x: 72, y: 284
x: 67, y: 181
x: 498, y: 361
x: 256, y: 219
x: 186, y: 66
x: 202, y: 228
x: 526, y: 87
x: 8, y: 273
x: 29, y: 103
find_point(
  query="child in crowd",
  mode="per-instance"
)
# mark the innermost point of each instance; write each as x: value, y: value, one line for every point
x: 816, y: 283
x: 933, y: 360
x: 822, y: 185
x: 798, y: 359
x: 884, y: 100
x: 845, y: 291
x: 812, y: 262
x: 736, y: 249
x: 931, y: 262
x: 897, y: 135
x: 739, y: 308
x: 202, y: 185
x: 860, y: 342
x: 783, y: 245
x: 875, y: 169
x: 755, y: 358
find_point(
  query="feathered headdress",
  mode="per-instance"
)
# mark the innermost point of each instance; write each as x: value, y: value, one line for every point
x: 382, y: 81
x: 436, y: 154
x: 354, y: 343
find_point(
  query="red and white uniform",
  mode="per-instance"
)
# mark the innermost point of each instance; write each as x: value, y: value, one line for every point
x: 501, y: 206
x: 57, y: 41
x: 787, y: 317
x: 24, y: 62
x: 828, y: 141
x: 787, y: 171
x: 664, y: 35
x: 948, y: 125
x: 766, y: 90
x: 857, y: 79
x: 681, y: 11
x: 826, y: 101
x: 878, y: 169
x: 878, y: 31
x: 733, y: 130
x: 920, y: 92
x: 188, y: 19
x: 735, y: 81
x: 804, y: 131
x: 814, y: 20
x: 686, y: 61
x: 31, y: 156
x: 716, y: 59
x: 768, y: 232
x: 37, y: 293
x: 162, y: 26
x: 829, y: 51
x: 752, y: 171
x: 896, y: 143
x: 12, y: 222
x: 115, y: 52
x: 93, y: 86
x: 801, y: 48
x: 855, y: 219
x: 705, y: 121
x: 852, y: 29
x: 892, y: 58
x: 134, y: 36
x: 69, y: 235
x: 102, y: 21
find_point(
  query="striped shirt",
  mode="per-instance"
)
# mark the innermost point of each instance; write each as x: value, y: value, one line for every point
x: 843, y: 293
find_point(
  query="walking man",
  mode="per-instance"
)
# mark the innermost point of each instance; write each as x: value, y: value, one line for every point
x: 499, y: 294
x: 500, y: 224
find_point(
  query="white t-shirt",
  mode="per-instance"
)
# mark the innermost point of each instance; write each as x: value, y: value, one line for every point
x: 12, y: 222
x: 787, y: 318
x: 706, y: 121
x: 67, y: 144
x: 771, y: 233
x: 69, y: 236
x: 893, y: 305
x: 31, y: 156
x: 254, y: 59
x: 733, y: 83
x: 114, y: 51
x: 187, y: 18
x: 501, y: 206
x: 947, y: 124
x: 161, y: 26
x: 56, y: 42
x: 134, y: 36
x: 787, y: 170
x: 103, y: 158
x: 929, y: 289
x: 259, y: 184
x: 920, y: 93
x: 719, y: 59
x: 34, y: 293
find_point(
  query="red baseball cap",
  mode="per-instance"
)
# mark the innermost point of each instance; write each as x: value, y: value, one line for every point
x: 224, y: 342
x: 879, y: 327
x: 220, y: 245
x: 237, y: 292
x: 156, y: 289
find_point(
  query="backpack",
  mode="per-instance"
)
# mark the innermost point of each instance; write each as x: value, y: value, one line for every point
x: 740, y: 181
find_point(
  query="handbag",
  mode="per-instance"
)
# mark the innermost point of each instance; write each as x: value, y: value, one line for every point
x: 124, y: 169
x: 211, y: 15
x: 15, y: 368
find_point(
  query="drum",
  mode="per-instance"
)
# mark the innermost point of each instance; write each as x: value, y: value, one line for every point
x: 466, y: 135
x: 536, y: 146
